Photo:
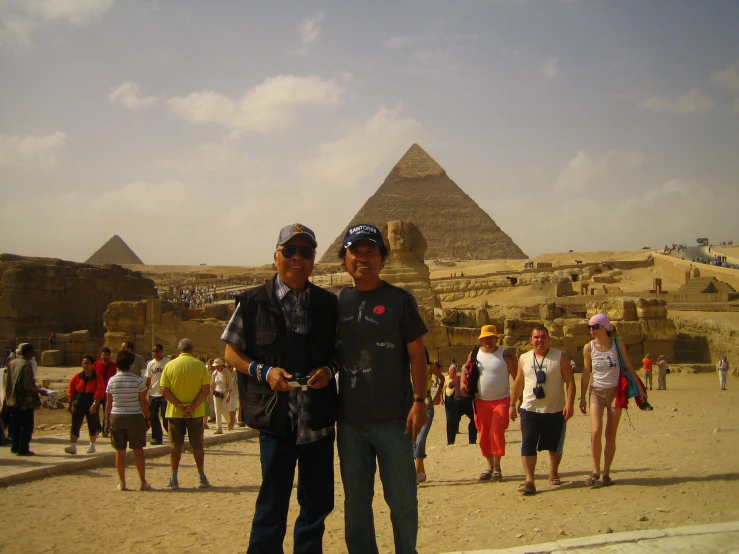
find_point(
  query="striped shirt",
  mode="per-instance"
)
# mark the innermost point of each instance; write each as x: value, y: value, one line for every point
x: 125, y: 388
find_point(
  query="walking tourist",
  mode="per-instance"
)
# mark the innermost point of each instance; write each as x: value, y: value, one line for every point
x: 221, y: 387
x: 127, y: 418
x: 546, y: 385
x: 157, y: 402
x: 86, y: 393
x: 492, y: 367
x: 646, y: 366
x: 662, y: 369
x: 419, y: 447
x: 21, y: 399
x: 107, y: 368
x: 185, y: 385
x: 723, y: 370
x: 601, y: 359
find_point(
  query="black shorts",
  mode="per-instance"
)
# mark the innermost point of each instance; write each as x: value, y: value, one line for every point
x: 542, y: 432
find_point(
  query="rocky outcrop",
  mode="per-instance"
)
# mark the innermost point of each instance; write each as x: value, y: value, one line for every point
x: 40, y: 295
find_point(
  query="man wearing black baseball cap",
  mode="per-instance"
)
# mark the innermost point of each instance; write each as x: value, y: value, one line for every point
x: 280, y: 338
x: 380, y: 348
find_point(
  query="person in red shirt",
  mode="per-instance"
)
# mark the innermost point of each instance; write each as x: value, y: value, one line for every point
x: 106, y: 368
x: 86, y: 392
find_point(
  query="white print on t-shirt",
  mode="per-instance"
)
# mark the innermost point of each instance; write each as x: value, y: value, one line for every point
x: 366, y: 318
x: 347, y: 318
x: 359, y: 313
x: 385, y: 344
x: 354, y: 371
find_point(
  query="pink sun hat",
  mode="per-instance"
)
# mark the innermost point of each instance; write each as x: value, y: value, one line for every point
x: 603, y: 320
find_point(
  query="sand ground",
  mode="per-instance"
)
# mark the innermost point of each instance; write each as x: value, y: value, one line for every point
x: 678, y: 465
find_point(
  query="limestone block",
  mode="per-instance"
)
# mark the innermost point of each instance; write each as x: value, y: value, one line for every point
x: 605, y: 279
x: 125, y: 317
x: 62, y: 338
x: 659, y: 329
x: 217, y: 311
x: 93, y: 346
x: 572, y: 327
x: 650, y: 308
x: 519, y: 328
x: 555, y: 328
x: 463, y: 336
x: 451, y: 317
x: 629, y: 332
x: 437, y: 337
x: 74, y: 347
x: 72, y: 359
x: 170, y: 320
x: 52, y: 358
x: 79, y: 336
x: 482, y: 317
x: 616, y: 309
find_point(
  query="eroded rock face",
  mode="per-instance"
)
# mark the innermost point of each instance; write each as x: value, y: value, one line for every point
x: 39, y: 295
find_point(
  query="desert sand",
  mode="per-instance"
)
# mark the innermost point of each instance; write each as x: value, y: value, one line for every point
x: 677, y: 465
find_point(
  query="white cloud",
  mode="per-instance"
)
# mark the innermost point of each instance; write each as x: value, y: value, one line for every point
x: 690, y: 102
x: 270, y: 106
x: 310, y: 28
x: 129, y: 95
x: 31, y: 151
x: 583, y: 170
x: 20, y: 18
x: 343, y: 163
x: 728, y: 77
x: 550, y: 68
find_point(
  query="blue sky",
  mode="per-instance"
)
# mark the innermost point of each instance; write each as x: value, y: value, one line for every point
x: 195, y: 130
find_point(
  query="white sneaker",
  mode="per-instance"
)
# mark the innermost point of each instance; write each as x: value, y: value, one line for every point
x: 91, y: 449
x: 71, y: 449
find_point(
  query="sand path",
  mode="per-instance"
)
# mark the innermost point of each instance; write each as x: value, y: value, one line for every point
x: 673, y: 468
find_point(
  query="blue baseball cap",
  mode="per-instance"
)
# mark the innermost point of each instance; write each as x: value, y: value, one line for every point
x: 289, y: 232
x: 363, y: 231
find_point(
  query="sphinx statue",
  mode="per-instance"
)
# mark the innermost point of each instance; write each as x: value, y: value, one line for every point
x: 404, y: 266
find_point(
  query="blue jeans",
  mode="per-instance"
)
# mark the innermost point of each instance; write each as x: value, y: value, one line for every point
x: 419, y: 449
x: 315, y: 493
x: 361, y: 448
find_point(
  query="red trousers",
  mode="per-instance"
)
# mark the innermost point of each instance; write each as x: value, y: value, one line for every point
x: 491, y: 420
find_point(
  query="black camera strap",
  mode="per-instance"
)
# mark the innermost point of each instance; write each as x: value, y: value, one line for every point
x: 540, y: 366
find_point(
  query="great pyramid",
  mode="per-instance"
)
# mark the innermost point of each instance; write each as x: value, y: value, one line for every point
x: 115, y: 251
x: 419, y: 190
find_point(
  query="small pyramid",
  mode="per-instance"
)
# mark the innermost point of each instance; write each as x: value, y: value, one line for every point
x: 418, y: 190
x: 115, y: 251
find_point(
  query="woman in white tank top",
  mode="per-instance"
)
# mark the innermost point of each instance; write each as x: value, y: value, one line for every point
x: 600, y: 358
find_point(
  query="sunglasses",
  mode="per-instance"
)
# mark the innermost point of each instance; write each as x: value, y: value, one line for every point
x: 595, y: 327
x: 306, y: 252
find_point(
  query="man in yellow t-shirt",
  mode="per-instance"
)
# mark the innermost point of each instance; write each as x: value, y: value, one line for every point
x: 185, y: 385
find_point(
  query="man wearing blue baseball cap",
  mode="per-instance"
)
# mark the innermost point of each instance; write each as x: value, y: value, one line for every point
x: 279, y: 339
x: 382, y: 392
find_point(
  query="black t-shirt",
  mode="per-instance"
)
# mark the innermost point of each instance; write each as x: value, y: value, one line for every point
x: 374, y: 330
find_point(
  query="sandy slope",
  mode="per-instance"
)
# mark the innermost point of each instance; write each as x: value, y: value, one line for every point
x: 674, y: 468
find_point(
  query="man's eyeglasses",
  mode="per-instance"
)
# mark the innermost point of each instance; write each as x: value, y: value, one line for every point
x: 594, y: 327
x: 306, y: 252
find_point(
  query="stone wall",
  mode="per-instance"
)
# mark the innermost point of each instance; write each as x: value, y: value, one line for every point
x: 40, y: 295
x: 159, y: 322
x: 68, y: 349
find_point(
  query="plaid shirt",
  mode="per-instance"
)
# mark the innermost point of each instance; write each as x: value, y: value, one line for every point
x: 295, y: 310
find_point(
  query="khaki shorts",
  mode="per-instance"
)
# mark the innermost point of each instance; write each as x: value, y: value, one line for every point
x: 127, y: 429
x: 193, y: 426
x: 603, y: 397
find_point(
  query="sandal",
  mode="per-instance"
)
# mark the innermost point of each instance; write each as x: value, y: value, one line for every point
x: 497, y: 474
x: 486, y: 475
x: 607, y: 481
x: 527, y: 488
x: 420, y: 478
x: 590, y: 481
x: 555, y: 480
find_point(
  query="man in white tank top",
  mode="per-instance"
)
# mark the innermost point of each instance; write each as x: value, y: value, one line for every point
x: 544, y: 411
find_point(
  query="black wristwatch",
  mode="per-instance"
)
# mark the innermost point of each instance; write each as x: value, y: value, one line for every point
x: 419, y: 399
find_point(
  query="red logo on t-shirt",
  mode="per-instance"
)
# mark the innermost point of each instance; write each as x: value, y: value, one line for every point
x: 379, y: 310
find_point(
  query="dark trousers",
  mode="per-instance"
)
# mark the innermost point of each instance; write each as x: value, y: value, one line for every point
x: 101, y: 413
x: 22, y: 429
x: 157, y: 409
x: 462, y: 406
x: 315, y: 493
